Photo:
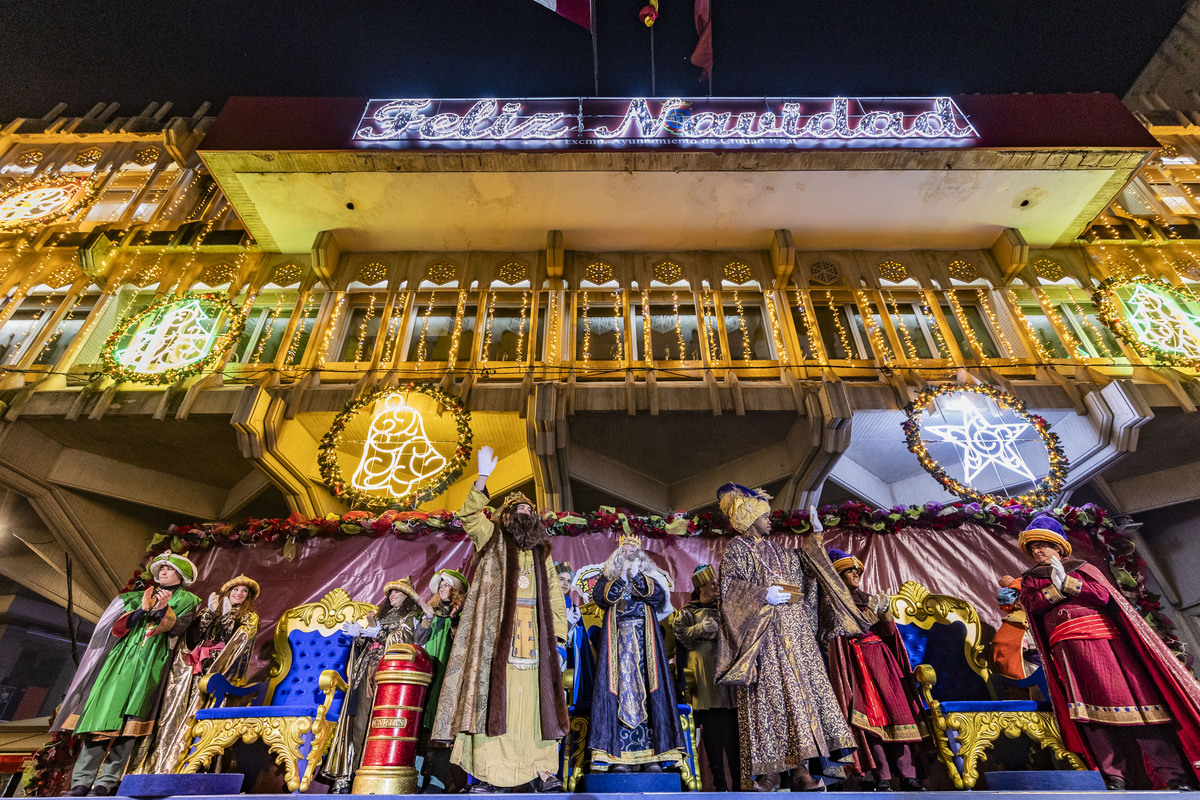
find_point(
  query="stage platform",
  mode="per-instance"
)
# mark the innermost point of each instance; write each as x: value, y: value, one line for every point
x: 979, y: 794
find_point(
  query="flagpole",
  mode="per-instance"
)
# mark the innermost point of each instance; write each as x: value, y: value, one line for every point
x: 595, y: 51
x: 712, y: 47
x: 653, y: 90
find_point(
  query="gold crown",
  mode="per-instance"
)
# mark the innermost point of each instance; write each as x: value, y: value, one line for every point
x: 515, y: 499
x: 629, y: 537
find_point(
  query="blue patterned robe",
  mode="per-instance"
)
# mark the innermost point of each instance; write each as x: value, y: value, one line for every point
x: 635, y: 719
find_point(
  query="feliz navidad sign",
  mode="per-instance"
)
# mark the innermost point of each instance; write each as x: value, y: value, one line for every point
x: 640, y: 122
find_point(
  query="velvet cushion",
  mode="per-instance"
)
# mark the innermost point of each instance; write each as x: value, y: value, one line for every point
x: 969, y: 706
x: 312, y: 654
x: 941, y: 647
x: 246, y: 712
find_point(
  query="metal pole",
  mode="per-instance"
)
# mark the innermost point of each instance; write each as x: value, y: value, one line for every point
x: 712, y: 45
x: 595, y: 52
x: 71, y: 628
x: 653, y: 90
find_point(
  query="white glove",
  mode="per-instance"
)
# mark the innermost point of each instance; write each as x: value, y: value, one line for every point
x: 814, y: 519
x: 880, y: 603
x: 574, y: 615
x: 372, y: 631
x: 1058, y: 575
x: 214, y: 602
x: 777, y: 596
x: 487, y: 461
x: 352, y: 629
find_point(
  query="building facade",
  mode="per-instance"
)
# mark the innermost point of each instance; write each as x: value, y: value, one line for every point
x: 632, y: 319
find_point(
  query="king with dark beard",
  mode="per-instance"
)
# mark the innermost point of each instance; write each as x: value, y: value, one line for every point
x: 502, y: 701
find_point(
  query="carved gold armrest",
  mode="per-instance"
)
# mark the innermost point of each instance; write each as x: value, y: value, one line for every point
x: 329, y: 683
x: 926, y: 680
x: 214, y: 688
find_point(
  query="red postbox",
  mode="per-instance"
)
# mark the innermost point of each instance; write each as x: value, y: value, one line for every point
x: 390, y: 752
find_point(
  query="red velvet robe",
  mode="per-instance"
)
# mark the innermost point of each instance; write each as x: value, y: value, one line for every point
x: 871, y: 678
x: 1130, y: 679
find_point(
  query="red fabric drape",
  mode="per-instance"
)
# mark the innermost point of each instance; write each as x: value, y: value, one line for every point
x: 963, y: 561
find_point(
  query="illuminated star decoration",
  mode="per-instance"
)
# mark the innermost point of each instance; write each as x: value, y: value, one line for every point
x: 985, y: 444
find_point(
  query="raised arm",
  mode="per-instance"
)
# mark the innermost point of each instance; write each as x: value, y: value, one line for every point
x: 474, y: 522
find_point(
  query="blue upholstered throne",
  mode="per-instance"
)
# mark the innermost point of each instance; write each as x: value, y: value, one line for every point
x: 943, y: 637
x: 304, y: 696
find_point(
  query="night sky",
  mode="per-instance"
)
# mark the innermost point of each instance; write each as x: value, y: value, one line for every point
x: 87, y: 51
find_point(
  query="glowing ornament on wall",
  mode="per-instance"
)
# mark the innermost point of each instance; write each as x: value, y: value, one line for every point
x: 398, y: 455
x: 1153, y: 317
x: 985, y: 443
x: 172, y: 338
x: 43, y: 201
x: 400, y: 447
x: 986, y: 432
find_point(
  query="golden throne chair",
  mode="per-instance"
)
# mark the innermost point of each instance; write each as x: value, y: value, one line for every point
x: 943, y: 636
x: 307, y: 687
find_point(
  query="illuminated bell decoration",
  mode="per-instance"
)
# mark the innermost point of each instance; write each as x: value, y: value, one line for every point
x: 415, y: 445
x: 172, y: 338
x: 397, y: 456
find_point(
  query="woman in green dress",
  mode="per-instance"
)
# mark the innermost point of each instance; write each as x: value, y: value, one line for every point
x: 448, y: 591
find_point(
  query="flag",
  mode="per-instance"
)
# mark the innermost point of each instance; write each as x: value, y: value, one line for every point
x: 702, y: 56
x: 578, y: 11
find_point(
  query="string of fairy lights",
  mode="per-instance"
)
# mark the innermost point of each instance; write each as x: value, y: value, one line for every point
x: 678, y: 328
x: 363, y: 327
x: 906, y: 340
x: 1072, y: 318
x: 584, y: 308
x: 708, y: 309
x: 618, y: 353
x: 986, y: 306
x: 487, y: 335
x: 678, y: 351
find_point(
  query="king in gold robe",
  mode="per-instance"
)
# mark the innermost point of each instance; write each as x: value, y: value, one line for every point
x: 502, y: 702
x: 778, y: 606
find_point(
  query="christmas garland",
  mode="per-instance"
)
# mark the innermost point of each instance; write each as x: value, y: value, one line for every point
x: 1088, y: 522
x: 123, y: 372
x: 1109, y: 310
x: 331, y: 468
x: 1043, y: 491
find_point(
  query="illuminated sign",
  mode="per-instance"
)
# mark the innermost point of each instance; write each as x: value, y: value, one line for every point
x: 710, y: 123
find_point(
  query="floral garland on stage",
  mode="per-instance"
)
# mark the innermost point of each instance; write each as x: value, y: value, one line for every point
x: 1088, y: 522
